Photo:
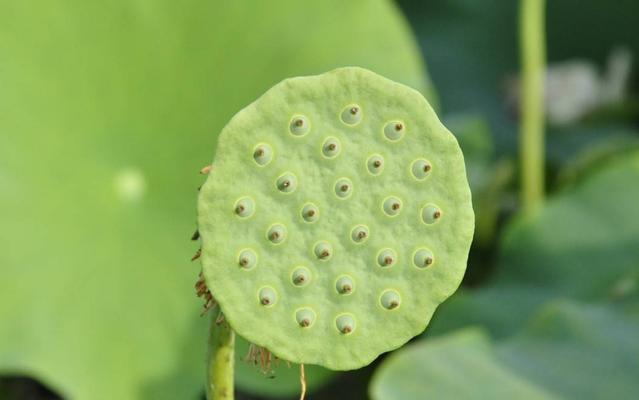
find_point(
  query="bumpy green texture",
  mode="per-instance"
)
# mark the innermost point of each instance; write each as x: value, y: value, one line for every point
x: 337, y: 217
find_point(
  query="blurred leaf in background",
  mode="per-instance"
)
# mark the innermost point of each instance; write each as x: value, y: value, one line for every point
x: 107, y: 111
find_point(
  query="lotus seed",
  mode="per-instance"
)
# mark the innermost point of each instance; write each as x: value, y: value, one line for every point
x: 305, y: 317
x: 301, y: 276
x: 352, y: 114
x: 263, y: 154
x: 420, y: 169
x: 375, y: 164
x: 345, y: 324
x: 431, y: 214
x: 386, y: 258
x: 423, y: 258
x: 247, y: 259
x: 323, y: 251
x: 390, y: 299
x: 394, y: 130
x: 343, y: 188
x: 299, y: 125
x: 244, y: 207
x: 267, y: 296
x: 310, y: 212
x: 392, y: 206
x: 276, y: 233
x: 286, y: 183
x: 331, y: 147
x: 344, y: 285
x: 359, y: 234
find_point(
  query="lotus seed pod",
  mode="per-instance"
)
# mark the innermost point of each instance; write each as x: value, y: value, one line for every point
x: 341, y: 244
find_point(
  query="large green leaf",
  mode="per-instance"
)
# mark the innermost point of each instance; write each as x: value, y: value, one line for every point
x: 583, y: 243
x: 459, y: 366
x: 107, y: 110
x: 567, y: 351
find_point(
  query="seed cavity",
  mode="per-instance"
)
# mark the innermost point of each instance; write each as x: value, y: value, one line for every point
x: 262, y: 154
x: 301, y: 276
x: 344, y: 285
x: 345, y: 324
x: 360, y: 233
x: 390, y: 299
x: 331, y: 147
x: 343, y: 188
x: 286, y: 183
x: 267, y: 296
x: 244, y: 207
x: 394, y: 130
x: 431, y: 214
x: 323, y: 251
x: 420, y: 169
x: 247, y: 259
x: 392, y: 206
x: 276, y: 233
x: 375, y: 164
x: 386, y: 258
x: 299, y: 125
x: 310, y: 212
x: 305, y: 317
x: 351, y: 114
x: 423, y: 258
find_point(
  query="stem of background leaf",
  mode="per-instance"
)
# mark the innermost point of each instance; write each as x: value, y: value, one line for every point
x: 219, y: 385
x: 533, y: 54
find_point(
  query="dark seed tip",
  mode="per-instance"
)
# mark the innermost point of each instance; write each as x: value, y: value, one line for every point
x: 398, y: 126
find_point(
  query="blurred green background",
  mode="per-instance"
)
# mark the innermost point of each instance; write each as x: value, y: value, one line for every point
x: 109, y: 108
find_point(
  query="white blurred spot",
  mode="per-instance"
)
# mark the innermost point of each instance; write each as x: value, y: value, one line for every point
x: 130, y: 184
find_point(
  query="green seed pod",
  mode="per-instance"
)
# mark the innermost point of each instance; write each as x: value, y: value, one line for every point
x: 423, y: 258
x: 344, y: 285
x: 360, y: 233
x: 299, y: 125
x: 390, y: 300
x: 392, y: 206
x: 431, y: 214
x: 331, y: 147
x: 262, y: 154
x: 267, y: 296
x: 301, y: 276
x: 386, y: 258
x: 359, y: 215
x: 286, y: 183
x: 244, y: 207
x: 420, y: 169
x: 351, y: 114
x: 375, y: 164
x: 394, y: 130
x: 247, y: 259
x: 305, y: 317
x: 276, y: 233
x: 343, y: 188
x: 310, y: 212
x: 345, y: 324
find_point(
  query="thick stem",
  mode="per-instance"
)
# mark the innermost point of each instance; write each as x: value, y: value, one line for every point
x: 221, y: 361
x: 533, y: 53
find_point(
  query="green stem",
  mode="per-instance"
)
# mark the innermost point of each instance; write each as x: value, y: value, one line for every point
x: 533, y: 53
x: 221, y: 361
